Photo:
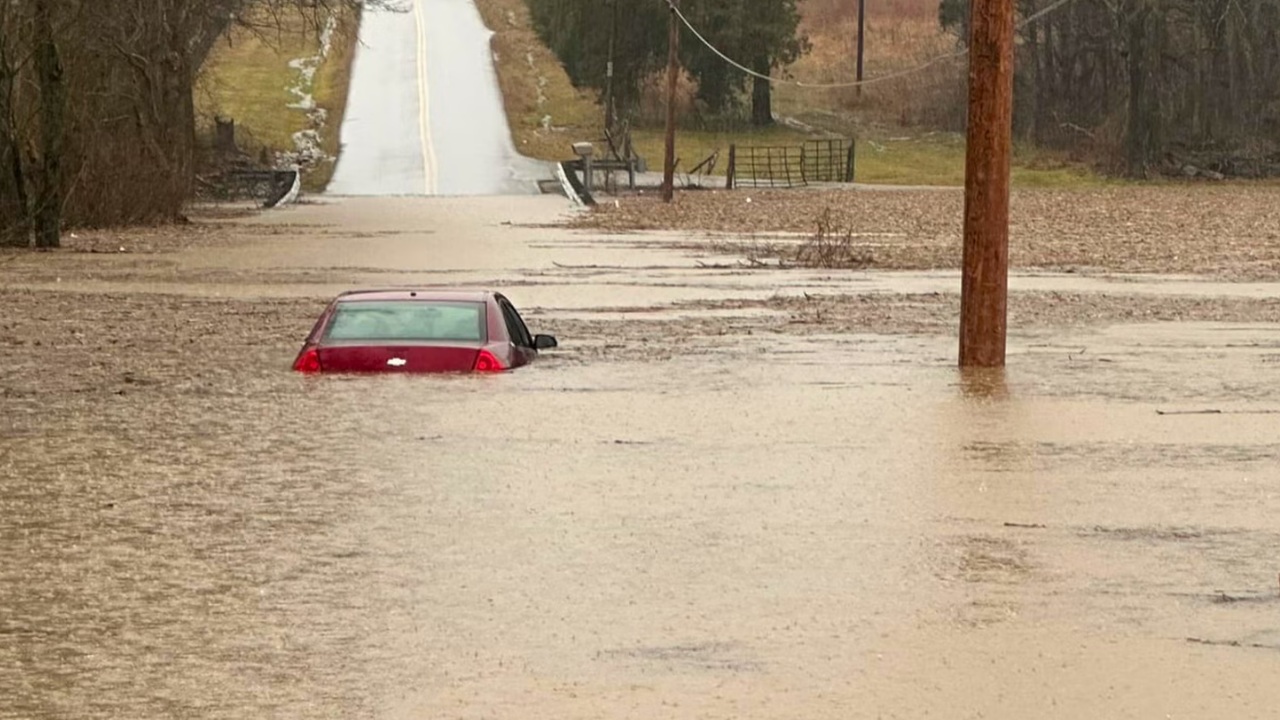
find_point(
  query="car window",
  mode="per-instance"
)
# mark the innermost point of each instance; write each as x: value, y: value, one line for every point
x: 515, y: 325
x: 408, y: 320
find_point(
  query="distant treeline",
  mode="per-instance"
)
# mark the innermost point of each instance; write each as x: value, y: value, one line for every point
x: 1140, y: 85
x: 1151, y: 83
x: 97, y: 116
x: 587, y: 34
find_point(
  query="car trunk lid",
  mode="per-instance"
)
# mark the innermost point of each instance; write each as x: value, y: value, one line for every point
x: 404, y: 357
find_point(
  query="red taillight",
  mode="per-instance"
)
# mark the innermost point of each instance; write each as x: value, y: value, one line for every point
x: 308, y: 361
x: 486, y: 362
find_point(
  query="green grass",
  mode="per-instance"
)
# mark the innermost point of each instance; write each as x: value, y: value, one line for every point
x: 248, y: 79
x: 939, y: 159
x: 932, y: 159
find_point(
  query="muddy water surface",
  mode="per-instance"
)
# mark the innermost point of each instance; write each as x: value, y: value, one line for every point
x: 742, y: 525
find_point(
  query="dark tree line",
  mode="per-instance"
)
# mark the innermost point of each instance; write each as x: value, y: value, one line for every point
x: 759, y: 33
x: 97, y: 115
x: 1151, y: 82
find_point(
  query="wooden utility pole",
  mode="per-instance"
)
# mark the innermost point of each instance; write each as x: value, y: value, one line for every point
x: 673, y: 74
x: 985, y: 277
x: 608, y: 88
x: 862, y: 33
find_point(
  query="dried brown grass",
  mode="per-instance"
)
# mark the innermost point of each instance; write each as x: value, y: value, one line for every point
x: 833, y: 247
x: 825, y: 12
x: 545, y: 111
x: 900, y: 35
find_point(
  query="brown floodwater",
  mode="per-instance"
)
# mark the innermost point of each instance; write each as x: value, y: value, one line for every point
x: 762, y: 526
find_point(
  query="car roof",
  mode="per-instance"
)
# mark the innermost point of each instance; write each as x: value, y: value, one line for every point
x: 420, y: 294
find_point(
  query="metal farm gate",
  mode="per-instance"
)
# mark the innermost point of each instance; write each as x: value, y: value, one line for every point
x: 770, y: 167
x: 828, y: 161
x: 786, y: 166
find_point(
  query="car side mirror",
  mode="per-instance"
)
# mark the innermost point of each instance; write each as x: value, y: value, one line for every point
x: 544, y: 342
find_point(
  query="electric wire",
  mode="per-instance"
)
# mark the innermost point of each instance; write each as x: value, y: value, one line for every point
x: 856, y: 83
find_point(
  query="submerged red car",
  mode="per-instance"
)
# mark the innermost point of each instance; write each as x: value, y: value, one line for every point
x: 419, y: 331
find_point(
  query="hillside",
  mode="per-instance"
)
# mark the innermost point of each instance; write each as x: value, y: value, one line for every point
x: 906, y: 128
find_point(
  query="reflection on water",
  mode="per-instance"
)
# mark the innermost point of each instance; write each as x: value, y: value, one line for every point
x: 984, y: 383
x: 590, y: 540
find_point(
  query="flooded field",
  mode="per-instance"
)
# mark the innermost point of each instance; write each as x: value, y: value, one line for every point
x: 718, y: 499
x: 1229, y: 230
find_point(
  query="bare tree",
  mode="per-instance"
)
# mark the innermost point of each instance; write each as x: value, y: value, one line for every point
x: 97, y: 110
x: 53, y: 118
x: 1144, y: 83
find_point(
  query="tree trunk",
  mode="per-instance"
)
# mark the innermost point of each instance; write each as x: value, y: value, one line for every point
x: 762, y: 94
x: 1219, y: 84
x: 181, y: 93
x: 53, y: 112
x: 1065, y: 71
x: 19, y: 230
x: 1051, y: 79
x: 1039, y: 114
x: 1106, y: 58
x: 1199, y: 125
x: 1140, y: 130
x: 20, y: 233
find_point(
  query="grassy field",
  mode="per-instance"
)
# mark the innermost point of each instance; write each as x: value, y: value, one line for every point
x: 940, y: 157
x: 248, y: 79
x: 930, y: 159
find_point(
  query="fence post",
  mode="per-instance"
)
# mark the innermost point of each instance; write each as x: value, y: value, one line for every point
x: 853, y: 156
x: 224, y: 135
x: 631, y: 160
x: 733, y: 166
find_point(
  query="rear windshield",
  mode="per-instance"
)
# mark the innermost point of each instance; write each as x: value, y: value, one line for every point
x: 407, y: 320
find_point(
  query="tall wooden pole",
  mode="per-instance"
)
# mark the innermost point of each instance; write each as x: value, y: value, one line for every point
x: 985, y: 277
x: 673, y: 74
x: 862, y: 33
x: 608, y: 88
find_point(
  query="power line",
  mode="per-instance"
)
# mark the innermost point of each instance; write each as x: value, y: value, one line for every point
x: 859, y: 83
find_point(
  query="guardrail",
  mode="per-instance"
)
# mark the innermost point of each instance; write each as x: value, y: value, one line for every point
x: 274, y: 187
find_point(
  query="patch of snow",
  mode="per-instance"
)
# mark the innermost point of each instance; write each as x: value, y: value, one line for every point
x: 542, y: 81
x: 404, y: 6
x: 307, y: 143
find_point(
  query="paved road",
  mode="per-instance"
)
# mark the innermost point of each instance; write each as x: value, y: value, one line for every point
x: 425, y: 115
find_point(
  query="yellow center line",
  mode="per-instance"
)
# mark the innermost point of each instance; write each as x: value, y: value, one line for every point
x: 424, y: 104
